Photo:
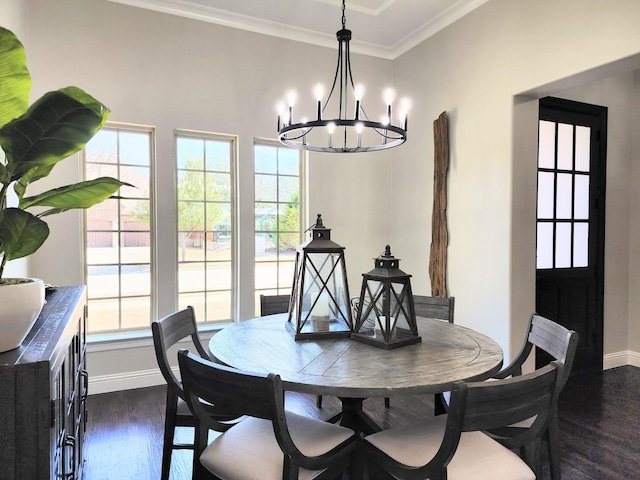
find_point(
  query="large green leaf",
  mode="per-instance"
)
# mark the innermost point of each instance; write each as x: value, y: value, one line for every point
x: 59, y: 124
x: 15, y: 81
x: 79, y: 195
x: 21, y: 233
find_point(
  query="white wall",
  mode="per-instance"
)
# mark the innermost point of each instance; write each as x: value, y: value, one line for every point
x: 171, y: 72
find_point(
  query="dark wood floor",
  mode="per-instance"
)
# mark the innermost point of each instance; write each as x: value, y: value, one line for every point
x: 599, y: 422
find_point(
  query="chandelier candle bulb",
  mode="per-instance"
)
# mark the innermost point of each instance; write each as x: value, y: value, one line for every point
x: 359, y: 128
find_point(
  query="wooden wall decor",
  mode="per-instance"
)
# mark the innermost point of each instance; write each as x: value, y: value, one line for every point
x: 439, y: 230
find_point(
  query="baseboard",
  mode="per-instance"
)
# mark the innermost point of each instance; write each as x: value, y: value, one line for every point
x: 151, y: 378
x: 619, y: 359
x: 125, y: 381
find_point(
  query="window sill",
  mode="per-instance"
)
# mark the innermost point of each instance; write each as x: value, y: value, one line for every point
x: 119, y: 341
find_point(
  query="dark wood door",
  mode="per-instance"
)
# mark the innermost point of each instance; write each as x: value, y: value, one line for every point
x: 570, y: 223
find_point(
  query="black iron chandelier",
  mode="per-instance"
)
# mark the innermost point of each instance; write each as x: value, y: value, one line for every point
x: 342, y: 134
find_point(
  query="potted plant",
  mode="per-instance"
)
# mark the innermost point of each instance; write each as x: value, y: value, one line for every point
x: 33, y: 139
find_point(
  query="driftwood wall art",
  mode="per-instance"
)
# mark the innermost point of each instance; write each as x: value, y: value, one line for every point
x: 439, y: 231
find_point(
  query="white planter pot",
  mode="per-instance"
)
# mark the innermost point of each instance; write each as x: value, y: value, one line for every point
x: 20, y: 305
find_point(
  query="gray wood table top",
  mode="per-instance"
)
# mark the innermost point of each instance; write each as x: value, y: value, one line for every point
x: 346, y: 368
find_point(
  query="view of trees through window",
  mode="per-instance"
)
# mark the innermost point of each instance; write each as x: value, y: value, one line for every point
x: 277, y: 217
x: 205, y: 225
x: 118, y: 238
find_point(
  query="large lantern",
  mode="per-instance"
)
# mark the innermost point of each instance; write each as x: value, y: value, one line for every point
x: 385, y: 313
x: 319, y: 305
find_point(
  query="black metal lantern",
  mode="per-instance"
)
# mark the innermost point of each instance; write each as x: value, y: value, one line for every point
x: 385, y: 313
x: 319, y: 305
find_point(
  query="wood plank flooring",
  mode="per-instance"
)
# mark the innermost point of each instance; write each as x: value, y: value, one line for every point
x: 599, y: 424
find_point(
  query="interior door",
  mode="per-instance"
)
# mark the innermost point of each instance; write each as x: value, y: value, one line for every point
x: 570, y: 223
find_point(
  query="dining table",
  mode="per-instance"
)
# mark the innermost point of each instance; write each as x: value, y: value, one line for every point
x: 354, y: 371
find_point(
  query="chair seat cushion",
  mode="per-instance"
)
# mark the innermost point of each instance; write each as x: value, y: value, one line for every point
x: 477, y: 456
x: 249, y: 450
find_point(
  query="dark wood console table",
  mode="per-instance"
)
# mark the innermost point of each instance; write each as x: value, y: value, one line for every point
x: 43, y: 391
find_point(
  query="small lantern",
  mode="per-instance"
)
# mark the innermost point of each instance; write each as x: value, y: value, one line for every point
x: 385, y: 313
x: 319, y: 305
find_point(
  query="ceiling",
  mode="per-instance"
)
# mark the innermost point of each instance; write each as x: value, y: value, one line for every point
x: 382, y: 28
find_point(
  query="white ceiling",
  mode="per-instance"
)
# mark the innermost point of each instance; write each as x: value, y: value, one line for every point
x: 383, y: 28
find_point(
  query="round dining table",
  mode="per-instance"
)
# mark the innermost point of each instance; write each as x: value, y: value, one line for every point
x: 354, y: 371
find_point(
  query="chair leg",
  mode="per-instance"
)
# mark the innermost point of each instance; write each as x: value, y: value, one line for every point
x: 169, y: 431
x: 319, y: 401
x: 553, y: 443
x: 387, y: 402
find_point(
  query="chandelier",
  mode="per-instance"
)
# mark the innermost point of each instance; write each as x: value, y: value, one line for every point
x: 342, y: 134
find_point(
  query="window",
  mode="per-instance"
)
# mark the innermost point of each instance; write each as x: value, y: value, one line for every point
x: 118, y: 231
x: 278, y: 210
x: 206, y: 198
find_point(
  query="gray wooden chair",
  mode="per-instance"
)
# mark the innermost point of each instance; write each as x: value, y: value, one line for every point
x: 167, y: 332
x: 270, y: 304
x: 455, y: 447
x: 270, y: 443
x: 560, y: 343
x: 439, y: 308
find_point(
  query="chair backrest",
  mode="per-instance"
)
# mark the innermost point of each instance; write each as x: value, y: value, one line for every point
x: 168, y: 331
x: 229, y: 392
x: 440, y: 308
x: 491, y: 405
x: 270, y: 304
x: 481, y: 406
x: 553, y: 338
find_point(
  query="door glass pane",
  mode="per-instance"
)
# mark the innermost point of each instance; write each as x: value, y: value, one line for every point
x: 547, y: 144
x: 581, y: 245
x: 583, y: 140
x: 563, y: 245
x: 581, y: 197
x: 564, y: 196
x: 545, y: 245
x: 565, y: 146
x: 545, y: 194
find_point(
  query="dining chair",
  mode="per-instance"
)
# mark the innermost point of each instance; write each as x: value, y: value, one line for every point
x: 454, y: 446
x: 439, y: 308
x: 270, y: 304
x: 167, y: 332
x: 270, y: 443
x: 560, y: 343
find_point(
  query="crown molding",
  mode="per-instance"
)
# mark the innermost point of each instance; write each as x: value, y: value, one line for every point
x: 188, y: 9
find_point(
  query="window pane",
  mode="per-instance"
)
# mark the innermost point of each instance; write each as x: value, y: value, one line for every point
x: 266, y: 160
x: 288, y: 188
x: 135, y: 148
x: 564, y: 196
x: 581, y: 245
x: 547, y: 144
x: 565, y: 146
x: 544, y: 252
x: 218, y: 156
x: 563, y: 245
x: 288, y: 162
x: 189, y: 153
x: 583, y: 146
x: 218, y: 187
x: 103, y: 147
x: 581, y: 197
x: 266, y: 188
x: 545, y: 194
